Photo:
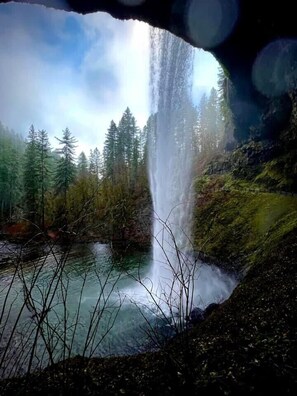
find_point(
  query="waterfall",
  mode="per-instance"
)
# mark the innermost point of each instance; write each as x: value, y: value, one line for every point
x: 170, y: 168
x: 176, y: 282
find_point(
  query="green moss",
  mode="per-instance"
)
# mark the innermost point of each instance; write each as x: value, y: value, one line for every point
x: 233, y: 217
x: 277, y: 174
x: 201, y: 182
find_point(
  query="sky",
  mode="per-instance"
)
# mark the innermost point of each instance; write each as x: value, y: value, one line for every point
x: 60, y: 69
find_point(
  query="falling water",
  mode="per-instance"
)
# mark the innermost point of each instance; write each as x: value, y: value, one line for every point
x: 170, y: 164
x: 174, y: 273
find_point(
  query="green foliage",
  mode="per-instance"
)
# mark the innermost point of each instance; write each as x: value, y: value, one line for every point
x: 32, y: 176
x: 65, y: 175
x: 82, y: 165
x: 122, y: 150
x: 36, y: 177
x: 110, y: 151
x: 124, y: 173
x: 65, y: 172
x: 95, y: 164
x: 127, y: 131
x: 11, y: 151
x: 224, y: 92
x: 232, y: 219
x: 209, y: 127
x: 280, y: 173
x: 98, y: 195
x: 44, y: 170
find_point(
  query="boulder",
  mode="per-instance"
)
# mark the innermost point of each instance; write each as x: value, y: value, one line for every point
x: 209, y: 309
x: 196, y: 316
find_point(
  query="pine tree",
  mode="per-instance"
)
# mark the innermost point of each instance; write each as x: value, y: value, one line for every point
x: 214, y: 119
x: 65, y: 171
x: 109, y: 151
x: 43, y: 165
x: 202, y: 125
x: 127, y: 147
x: 11, y: 153
x: 14, y: 180
x: 127, y: 133
x: 224, y: 92
x: 82, y: 165
x: 135, y: 161
x: 209, y: 128
x: 95, y: 167
x: 31, y: 176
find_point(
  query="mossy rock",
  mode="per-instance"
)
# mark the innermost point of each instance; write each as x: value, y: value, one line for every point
x: 280, y: 173
x: 233, y: 217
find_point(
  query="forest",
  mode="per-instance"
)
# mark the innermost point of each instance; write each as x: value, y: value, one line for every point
x: 163, y: 260
x: 103, y: 194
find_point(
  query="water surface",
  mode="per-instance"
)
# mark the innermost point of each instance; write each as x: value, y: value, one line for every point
x: 86, y: 300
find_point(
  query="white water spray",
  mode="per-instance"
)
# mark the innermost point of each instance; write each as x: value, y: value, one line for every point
x: 174, y: 270
x: 170, y: 165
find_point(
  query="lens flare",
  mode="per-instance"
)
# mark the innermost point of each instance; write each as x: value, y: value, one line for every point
x: 275, y: 68
x: 210, y: 22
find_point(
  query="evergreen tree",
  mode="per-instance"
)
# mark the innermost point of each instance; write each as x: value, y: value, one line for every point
x: 109, y: 151
x: 149, y: 134
x: 127, y: 147
x: 31, y: 176
x: 215, y: 122
x: 44, y: 155
x: 82, y: 165
x: 11, y: 153
x: 65, y: 171
x: 127, y: 132
x: 202, y: 124
x: 209, y: 127
x: 135, y: 160
x: 224, y: 92
x: 95, y: 161
x: 91, y: 163
x: 143, y: 142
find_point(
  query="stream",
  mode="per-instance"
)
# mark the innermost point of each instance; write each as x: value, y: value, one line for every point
x: 57, y: 302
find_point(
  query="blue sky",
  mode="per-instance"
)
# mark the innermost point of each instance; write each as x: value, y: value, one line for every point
x: 61, y: 70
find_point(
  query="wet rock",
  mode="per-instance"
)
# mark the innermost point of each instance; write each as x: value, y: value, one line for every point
x: 209, y: 309
x: 196, y: 316
x: 162, y: 329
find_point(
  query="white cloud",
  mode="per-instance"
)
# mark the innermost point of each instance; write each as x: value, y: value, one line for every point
x: 39, y: 85
x: 128, y: 53
x: 55, y: 95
